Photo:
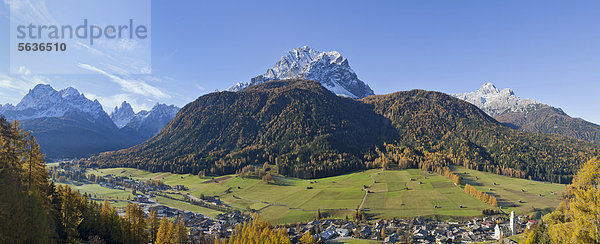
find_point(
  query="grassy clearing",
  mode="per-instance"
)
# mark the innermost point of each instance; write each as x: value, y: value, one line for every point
x: 508, y: 191
x: 390, y: 197
x: 292, y: 200
x: 167, y: 178
x: 48, y: 165
x: 116, y: 197
x: 186, y: 206
x: 97, y: 191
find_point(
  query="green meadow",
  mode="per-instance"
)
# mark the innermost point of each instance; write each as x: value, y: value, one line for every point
x: 520, y: 195
x: 116, y: 197
x: 392, y: 193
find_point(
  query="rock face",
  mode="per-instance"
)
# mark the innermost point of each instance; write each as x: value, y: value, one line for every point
x: 329, y: 68
x: 149, y: 123
x: 68, y: 125
x: 122, y: 115
x: 529, y: 115
x: 43, y: 101
x: 495, y: 102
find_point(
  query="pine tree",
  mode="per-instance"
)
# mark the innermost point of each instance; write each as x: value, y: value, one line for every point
x: 24, y: 202
x: 70, y: 216
x: 165, y: 233
x: 154, y: 224
x: 258, y: 232
x: 494, y: 202
x: 134, y: 216
x: 307, y: 238
x: 180, y: 232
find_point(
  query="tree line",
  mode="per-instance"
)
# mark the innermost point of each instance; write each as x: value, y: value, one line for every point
x: 257, y: 231
x: 307, y: 132
x: 577, y: 218
x: 446, y: 172
x: 35, y: 210
x: 484, y: 197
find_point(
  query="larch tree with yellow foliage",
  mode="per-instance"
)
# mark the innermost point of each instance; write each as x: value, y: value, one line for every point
x: 577, y: 219
x: 307, y: 238
x: 258, y: 232
x: 165, y: 233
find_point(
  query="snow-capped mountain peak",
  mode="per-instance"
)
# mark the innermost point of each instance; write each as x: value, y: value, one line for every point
x: 495, y: 102
x: 43, y: 101
x: 69, y: 91
x: 329, y: 68
x: 488, y: 88
x: 148, y: 123
x: 122, y: 115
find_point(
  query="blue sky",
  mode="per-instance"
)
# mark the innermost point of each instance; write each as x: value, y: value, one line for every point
x: 545, y: 50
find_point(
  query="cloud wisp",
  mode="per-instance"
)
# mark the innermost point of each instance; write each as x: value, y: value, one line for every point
x: 130, y: 85
x: 23, y: 81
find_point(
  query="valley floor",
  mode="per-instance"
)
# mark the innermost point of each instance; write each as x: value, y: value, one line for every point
x: 392, y: 193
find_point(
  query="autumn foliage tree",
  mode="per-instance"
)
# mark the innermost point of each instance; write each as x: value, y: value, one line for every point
x: 577, y: 219
x: 307, y: 238
x: 452, y: 176
x: 34, y: 210
x: 484, y: 197
x: 165, y: 232
x: 258, y: 231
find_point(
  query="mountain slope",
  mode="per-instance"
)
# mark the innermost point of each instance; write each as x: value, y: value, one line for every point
x: 529, y: 115
x: 66, y: 123
x: 450, y: 131
x: 143, y: 124
x: 310, y: 132
x: 550, y: 120
x: 329, y: 68
x: 149, y: 123
x: 76, y: 135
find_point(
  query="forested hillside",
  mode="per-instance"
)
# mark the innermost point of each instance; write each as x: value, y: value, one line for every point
x: 34, y: 210
x: 551, y: 120
x: 309, y: 132
x: 441, y: 130
x: 77, y: 135
x: 299, y: 125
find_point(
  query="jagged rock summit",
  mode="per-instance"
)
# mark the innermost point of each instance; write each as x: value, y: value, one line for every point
x: 43, y: 101
x: 529, y: 115
x: 122, y: 115
x: 329, y: 68
x: 148, y: 123
x: 145, y: 123
x: 495, y: 102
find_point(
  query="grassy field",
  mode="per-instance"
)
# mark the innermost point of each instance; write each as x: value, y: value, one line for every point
x: 395, y: 193
x: 115, y: 197
x: 167, y: 178
x: 186, y: 206
x: 48, y: 165
x: 425, y: 191
x: 508, y: 191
